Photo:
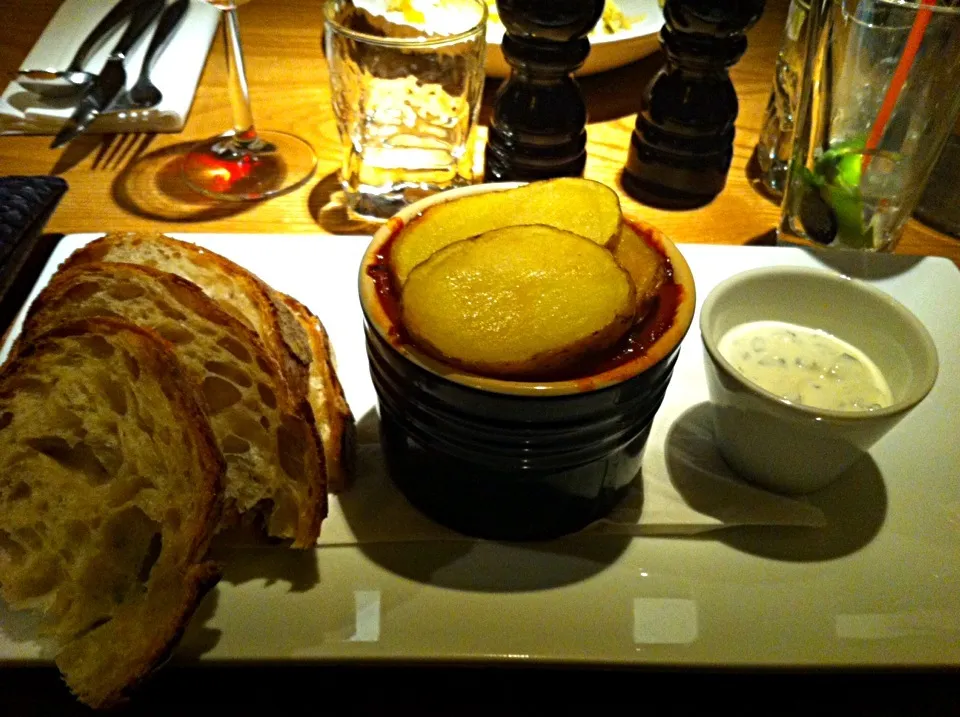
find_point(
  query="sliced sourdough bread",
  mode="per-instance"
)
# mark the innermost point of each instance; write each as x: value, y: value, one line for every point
x: 334, y: 418
x: 110, y: 482
x: 240, y: 292
x: 275, y: 471
x: 289, y: 334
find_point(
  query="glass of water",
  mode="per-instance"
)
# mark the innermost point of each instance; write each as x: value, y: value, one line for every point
x: 776, y: 132
x: 406, y: 78
x: 880, y: 95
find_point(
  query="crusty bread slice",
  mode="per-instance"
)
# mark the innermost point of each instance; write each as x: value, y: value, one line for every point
x: 239, y: 291
x: 274, y: 459
x: 110, y: 484
x: 334, y: 419
x: 288, y: 335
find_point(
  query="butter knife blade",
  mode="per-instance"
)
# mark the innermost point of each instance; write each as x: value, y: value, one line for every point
x: 112, y: 78
x: 118, y: 13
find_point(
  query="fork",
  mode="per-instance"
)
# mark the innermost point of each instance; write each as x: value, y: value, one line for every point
x: 144, y: 93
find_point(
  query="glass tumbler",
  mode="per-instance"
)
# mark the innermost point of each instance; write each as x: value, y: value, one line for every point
x: 776, y: 131
x: 406, y: 80
x: 880, y: 95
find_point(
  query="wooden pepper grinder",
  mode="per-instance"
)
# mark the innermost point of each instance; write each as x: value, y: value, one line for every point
x: 538, y: 127
x: 682, y: 144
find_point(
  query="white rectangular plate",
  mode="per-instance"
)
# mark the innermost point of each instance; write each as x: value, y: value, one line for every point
x: 876, y: 585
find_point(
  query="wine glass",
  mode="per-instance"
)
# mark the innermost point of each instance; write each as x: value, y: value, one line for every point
x: 245, y: 163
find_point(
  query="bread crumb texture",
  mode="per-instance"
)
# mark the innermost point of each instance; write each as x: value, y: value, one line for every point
x: 274, y: 464
x: 110, y: 483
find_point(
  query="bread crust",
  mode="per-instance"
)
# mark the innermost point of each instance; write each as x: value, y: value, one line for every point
x: 336, y: 421
x: 238, y: 290
x: 288, y: 334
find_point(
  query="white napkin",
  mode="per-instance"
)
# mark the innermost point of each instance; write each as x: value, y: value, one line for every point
x: 176, y: 71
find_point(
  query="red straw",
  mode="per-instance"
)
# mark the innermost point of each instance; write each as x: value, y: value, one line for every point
x: 910, y: 50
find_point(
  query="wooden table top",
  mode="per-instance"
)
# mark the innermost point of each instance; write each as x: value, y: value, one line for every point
x: 115, y: 186
x: 126, y: 182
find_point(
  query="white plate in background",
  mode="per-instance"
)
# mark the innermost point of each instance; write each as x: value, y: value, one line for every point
x: 606, y: 51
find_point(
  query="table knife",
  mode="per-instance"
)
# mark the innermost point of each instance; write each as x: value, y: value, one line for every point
x: 112, y: 78
x: 117, y: 14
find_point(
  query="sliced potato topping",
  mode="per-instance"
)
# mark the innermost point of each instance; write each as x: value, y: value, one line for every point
x: 646, y: 266
x: 576, y: 205
x: 520, y: 301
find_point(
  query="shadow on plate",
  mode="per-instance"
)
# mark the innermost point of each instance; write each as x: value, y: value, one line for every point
x: 151, y: 187
x: 434, y: 555
x: 244, y: 560
x: 851, y: 510
x: 855, y: 507
x: 199, y: 639
x: 710, y: 487
x: 486, y: 566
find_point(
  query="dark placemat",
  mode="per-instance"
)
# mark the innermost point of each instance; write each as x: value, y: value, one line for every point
x: 485, y: 691
x: 940, y: 204
x: 26, y: 204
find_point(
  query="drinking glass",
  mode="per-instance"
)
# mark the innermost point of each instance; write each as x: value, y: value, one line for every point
x: 881, y: 92
x: 245, y: 163
x: 405, y: 84
x: 776, y: 132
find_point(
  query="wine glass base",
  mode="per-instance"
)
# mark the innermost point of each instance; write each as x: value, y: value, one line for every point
x: 272, y: 164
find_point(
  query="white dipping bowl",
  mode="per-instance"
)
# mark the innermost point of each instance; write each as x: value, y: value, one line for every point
x: 785, y: 446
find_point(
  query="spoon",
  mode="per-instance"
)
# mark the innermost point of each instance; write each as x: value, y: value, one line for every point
x: 144, y: 94
x: 55, y: 83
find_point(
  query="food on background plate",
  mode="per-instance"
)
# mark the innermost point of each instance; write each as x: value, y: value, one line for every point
x: 274, y: 464
x: 518, y: 301
x: 110, y: 493
x: 612, y: 21
x: 285, y: 328
x: 581, y: 206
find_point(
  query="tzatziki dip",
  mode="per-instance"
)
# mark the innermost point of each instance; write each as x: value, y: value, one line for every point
x: 806, y: 366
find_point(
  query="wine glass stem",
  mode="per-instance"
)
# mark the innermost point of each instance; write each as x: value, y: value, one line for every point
x: 243, y: 127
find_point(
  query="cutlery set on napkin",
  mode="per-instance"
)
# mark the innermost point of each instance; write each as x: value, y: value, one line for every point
x: 105, y: 66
